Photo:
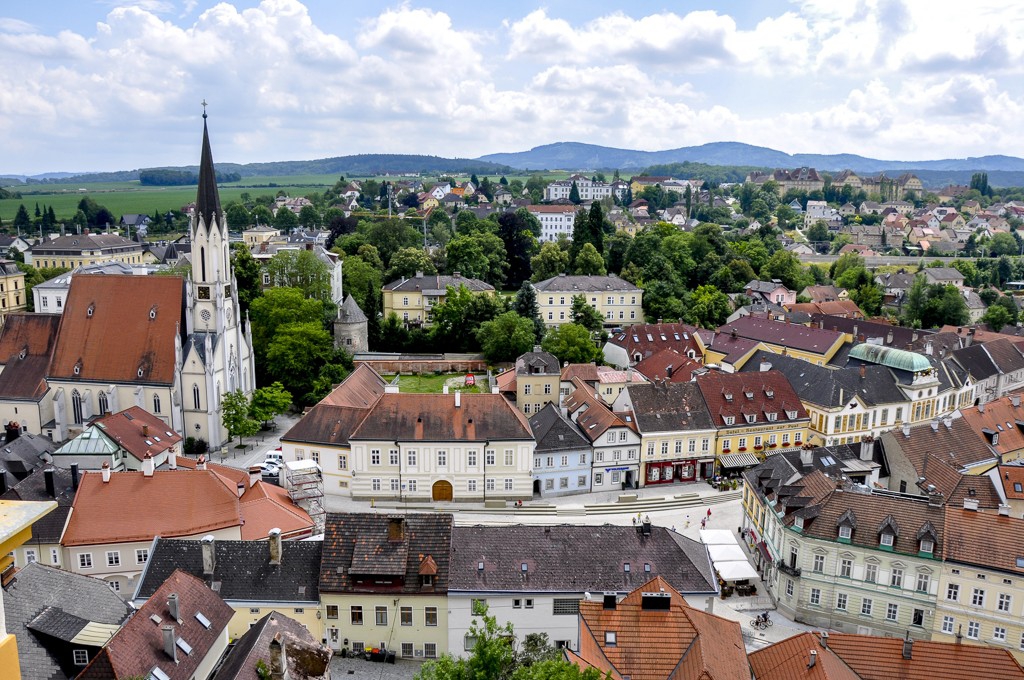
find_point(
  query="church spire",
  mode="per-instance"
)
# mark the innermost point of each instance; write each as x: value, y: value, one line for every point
x: 207, y: 199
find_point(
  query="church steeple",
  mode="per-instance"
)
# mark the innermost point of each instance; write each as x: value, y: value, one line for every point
x: 207, y: 198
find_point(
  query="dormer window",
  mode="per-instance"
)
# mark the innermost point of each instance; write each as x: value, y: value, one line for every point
x: 791, y: 415
x: 772, y: 417
x: 152, y: 312
x: 728, y: 396
x: 770, y: 393
x: 886, y: 539
x: 751, y: 417
x: 748, y: 395
x: 140, y: 371
x: 78, y: 368
x: 609, y: 638
x: 845, y: 532
x: 90, y: 310
x: 730, y: 420
x: 927, y: 546
x: 798, y: 522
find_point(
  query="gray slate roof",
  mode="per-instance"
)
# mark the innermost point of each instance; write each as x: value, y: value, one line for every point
x: 349, y: 312
x: 437, y: 284
x: 554, y: 555
x: 242, y: 569
x: 537, y: 363
x: 36, y: 588
x: 554, y: 432
x: 831, y: 387
x: 47, y: 529
x: 24, y: 454
x: 669, y: 407
x: 564, y: 283
x: 253, y: 647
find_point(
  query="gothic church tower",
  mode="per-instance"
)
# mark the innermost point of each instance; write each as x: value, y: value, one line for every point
x: 217, y: 356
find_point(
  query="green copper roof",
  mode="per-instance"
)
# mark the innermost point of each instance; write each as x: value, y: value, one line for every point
x: 899, y: 359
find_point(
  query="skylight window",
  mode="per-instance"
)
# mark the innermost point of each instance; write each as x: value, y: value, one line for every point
x: 183, y: 646
x: 157, y: 674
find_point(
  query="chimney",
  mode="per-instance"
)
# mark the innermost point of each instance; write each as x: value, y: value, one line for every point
x: 913, y: 336
x: 209, y: 555
x: 145, y: 430
x: 241, y: 488
x: 1015, y: 400
x: 275, y: 546
x: 863, y: 371
x: 201, y: 462
x: 170, y: 648
x: 959, y: 634
x: 971, y: 504
x: 646, y: 527
x: 458, y: 398
x: 3, y: 482
x: 172, y: 606
x: 105, y: 471
x: 1004, y: 510
x: 806, y: 457
x: 908, y: 647
x: 888, y: 338
x: 867, y: 448
x: 172, y: 457
x: 824, y: 639
x: 814, y: 659
x: 906, y: 429
x: 765, y: 365
x: 928, y: 348
x: 855, y: 328
x: 935, y: 426
x: 278, y: 658
x: 148, y: 465
x: 254, y: 474
x: 981, y: 408
x: 444, y: 389
x: 970, y: 337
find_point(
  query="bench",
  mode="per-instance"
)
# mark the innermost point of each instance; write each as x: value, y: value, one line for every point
x: 628, y: 497
x: 495, y: 504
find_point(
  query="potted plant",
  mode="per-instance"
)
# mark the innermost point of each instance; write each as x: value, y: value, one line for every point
x: 743, y: 448
x: 726, y: 450
x: 758, y: 447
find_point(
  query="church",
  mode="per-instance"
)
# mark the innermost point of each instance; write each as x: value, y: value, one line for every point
x: 168, y: 345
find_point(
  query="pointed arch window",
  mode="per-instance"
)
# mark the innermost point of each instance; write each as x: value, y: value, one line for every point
x: 104, y: 406
x: 76, y: 407
x: 195, y: 397
x: 156, y: 403
x: 202, y: 260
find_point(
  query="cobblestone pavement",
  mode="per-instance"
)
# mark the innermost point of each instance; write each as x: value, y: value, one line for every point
x: 358, y: 669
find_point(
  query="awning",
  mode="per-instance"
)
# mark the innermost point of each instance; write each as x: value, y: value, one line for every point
x: 717, y: 537
x: 737, y: 460
x: 762, y: 548
x: 736, y: 570
x: 726, y: 553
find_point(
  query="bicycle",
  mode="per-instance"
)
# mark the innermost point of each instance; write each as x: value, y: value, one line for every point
x: 760, y: 623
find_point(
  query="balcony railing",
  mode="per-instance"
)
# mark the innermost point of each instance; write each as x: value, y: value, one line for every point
x: 786, y: 569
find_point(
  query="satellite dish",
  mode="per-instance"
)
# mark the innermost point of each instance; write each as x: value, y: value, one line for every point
x: 586, y: 596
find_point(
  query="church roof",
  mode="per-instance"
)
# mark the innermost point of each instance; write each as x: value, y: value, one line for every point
x: 138, y: 315
x: 207, y: 197
x: 350, y: 312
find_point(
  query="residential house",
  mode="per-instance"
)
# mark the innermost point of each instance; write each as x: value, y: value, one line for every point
x: 261, y: 233
x: 873, y: 332
x: 414, y: 299
x: 51, y: 295
x: 254, y: 578
x: 60, y: 620
x: 122, y: 440
x: 770, y: 291
x: 862, y: 250
x: 282, y: 645
x: 22, y: 455
x: 981, y: 584
x: 654, y: 633
x: 816, y: 345
x: 849, y: 557
x: 442, y: 447
x: 27, y: 343
x: 943, y: 276
x: 619, y: 302
x: 529, y: 576
x: 613, y: 436
x: 587, y: 188
x: 728, y: 351
x: 634, y: 344
x: 997, y: 368
x: 554, y: 220
x: 45, y: 485
x: 820, y: 210
x: 97, y: 540
x: 562, y: 458
x: 759, y: 412
x: 13, y: 297
x: 996, y: 423
x: 800, y: 249
x: 799, y: 179
x: 385, y: 578
x: 75, y: 250
x: 322, y: 434
x: 181, y: 632
x: 668, y: 364
x: 844, y: 308
x: 12, y: 244
x: 847, y: 178
x: 538, y: 379
x: 676, y: 430
x: 825, y: 293
x: 848, y: 656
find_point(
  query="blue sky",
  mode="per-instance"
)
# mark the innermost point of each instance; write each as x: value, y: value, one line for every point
x: 109, y: 85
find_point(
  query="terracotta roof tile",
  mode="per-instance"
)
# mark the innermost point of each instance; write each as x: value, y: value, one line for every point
x: 668, y: 363
x: 170, y: 503
x: 138, y: 432
x: 26, y: 346
x: 592, y: 415
x: 792, y: 335
x: 265, y: 507
x: 141, y: 316
x: 435, y: 417
x: 646, y: 339
x: 1001, y: 548
x: 756, y: 394
x: 677, y: 642
x: 791, y: 658
x: 998, y: 416
x: 881, y: 658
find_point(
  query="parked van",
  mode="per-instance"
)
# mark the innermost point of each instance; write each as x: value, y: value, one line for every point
x: 276, y: 457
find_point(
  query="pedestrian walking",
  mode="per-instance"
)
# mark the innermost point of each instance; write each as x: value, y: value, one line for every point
x: 687, y: 521
x: 709, y: 513
x: 702, y: 522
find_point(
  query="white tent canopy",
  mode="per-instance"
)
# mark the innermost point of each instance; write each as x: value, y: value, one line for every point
x: 735, y: 570
x: 717, y: 537
x: 726, y: 553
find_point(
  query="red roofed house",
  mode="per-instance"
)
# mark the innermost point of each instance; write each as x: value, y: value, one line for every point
x: 27, y: 342
x: 122, y: 440
x: 180, y: 633
x: 116, y: 515
x: 653, y: 634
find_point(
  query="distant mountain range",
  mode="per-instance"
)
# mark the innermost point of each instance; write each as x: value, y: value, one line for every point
x: 574, y: 156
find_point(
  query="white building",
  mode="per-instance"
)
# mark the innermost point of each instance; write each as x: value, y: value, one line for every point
x: 588, y: 189
x: 554, y: 220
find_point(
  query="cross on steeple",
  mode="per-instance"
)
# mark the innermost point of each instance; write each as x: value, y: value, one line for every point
x: 204, y: 108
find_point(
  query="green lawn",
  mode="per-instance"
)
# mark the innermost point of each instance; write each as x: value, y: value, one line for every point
x: 434, y: 383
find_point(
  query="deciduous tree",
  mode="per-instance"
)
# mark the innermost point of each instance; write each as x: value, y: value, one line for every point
x: 505, y: 337
x: 269, y: 401
x: 571, y: 342
x: 234, y: 409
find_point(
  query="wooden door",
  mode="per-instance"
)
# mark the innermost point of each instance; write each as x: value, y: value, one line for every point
x: 442, y: 491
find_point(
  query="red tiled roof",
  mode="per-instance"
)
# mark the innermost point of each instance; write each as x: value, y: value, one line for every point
x: 139, y: 647
x: 138, y: 432
x: 170, y: 503
x: 791, y: 658
x: 984, y: 538
x: 435, y: 417
x: 660, y: 364
x: 655, y: 644
x: 265, y: 507
x: 756, y: 394
x: 115, y: 326
x: 646, y: 339
x: 999, y: 416
x: 881, y: 658
x: 792, y: 335
x: 339, y: 413
x: 596, y: 417
x: 24, y: 376
x: 1009, y: 475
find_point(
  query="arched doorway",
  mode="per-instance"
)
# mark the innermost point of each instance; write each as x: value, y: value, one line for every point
x: 441, y: 491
